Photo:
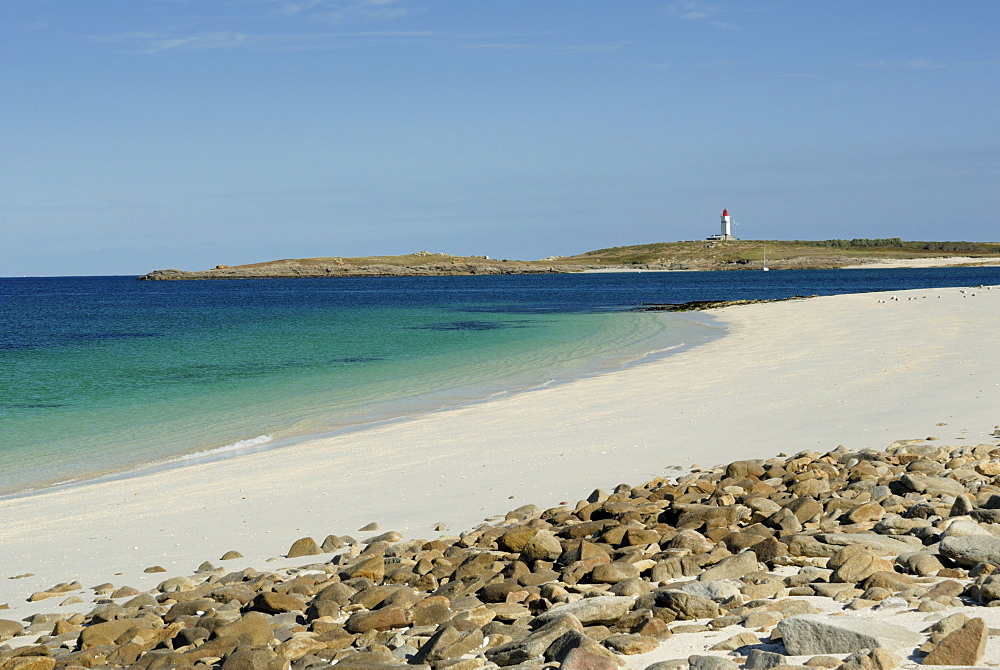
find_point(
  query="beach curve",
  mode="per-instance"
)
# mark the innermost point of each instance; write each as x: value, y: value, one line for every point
x: 861, y: 370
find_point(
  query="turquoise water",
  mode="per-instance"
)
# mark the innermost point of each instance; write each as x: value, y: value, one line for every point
x: 109, y: 375
x: 104, y: 375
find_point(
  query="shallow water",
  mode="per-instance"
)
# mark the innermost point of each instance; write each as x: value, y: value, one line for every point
x: 104, y: 374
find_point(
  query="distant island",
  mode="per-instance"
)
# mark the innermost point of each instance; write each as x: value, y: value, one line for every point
x: 696, y: 255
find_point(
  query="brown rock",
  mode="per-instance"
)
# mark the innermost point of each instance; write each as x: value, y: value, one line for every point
x: 9, y: 629
x: 543, y: 546
x: 612, y: 573
x: 29, y: 663
x: 856, y: 562
x: 631, y: 644
x: 515, y: 538
x: 253, y: 628
x: 305, y: 546
x: 372, y: 568
x: 686, y: 605
x: 109, y: 631
x: 964, y: 646
x: 295, y: 648
x: 893, y: 581
x: 581, y: 659
x: 384, y: 619
x: 249, y: 657
x: 276, y: 603
x: 868, y: 512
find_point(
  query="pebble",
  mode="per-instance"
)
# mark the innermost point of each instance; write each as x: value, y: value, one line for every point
x: 586, y: 585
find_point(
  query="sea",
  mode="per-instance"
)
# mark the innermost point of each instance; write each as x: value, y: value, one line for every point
x: 108, y: 376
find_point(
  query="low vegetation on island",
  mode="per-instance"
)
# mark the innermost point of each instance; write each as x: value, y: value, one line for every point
x: 695, y: 255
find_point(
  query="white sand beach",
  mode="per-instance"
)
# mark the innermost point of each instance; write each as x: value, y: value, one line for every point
x: 938, y: 262
x: 859, y: 370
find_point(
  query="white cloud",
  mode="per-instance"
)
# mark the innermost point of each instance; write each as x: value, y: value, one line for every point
x: 150, y: 43
x: 924, y: 64
x: 692, y: 10
x: 339, y: 12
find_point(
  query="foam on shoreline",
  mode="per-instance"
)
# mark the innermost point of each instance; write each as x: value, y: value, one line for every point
x: 861, y: 370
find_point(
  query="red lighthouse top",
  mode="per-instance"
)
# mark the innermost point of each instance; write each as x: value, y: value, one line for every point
x: 725, y: 212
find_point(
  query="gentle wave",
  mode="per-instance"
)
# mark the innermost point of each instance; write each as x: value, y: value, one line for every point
x: 240, y: 445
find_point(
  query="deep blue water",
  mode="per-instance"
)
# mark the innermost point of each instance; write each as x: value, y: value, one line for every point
x: 103, y: 374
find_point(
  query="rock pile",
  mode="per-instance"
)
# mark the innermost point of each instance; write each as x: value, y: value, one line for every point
x: 753, y: 545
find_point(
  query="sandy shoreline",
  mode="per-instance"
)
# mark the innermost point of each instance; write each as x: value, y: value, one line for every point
x: 861, y: 370
x: 881, y: 264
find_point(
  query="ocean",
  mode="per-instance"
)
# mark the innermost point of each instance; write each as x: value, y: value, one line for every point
x: 103, y: 376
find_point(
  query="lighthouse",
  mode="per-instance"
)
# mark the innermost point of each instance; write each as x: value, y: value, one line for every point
x: 727, y: 228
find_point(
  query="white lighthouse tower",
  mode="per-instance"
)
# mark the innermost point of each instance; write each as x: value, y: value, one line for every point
x: 727, y: 228
x: 727, y: 224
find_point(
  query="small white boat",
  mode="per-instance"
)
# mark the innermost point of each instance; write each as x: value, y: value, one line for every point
x: 765, y: 268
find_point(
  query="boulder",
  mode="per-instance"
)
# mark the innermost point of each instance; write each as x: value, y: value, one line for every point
x: 270, y: 602
x: 854, y: 563
x: 699, y: 662
x: 253, y: 628
x: 630, y: 645
x: 758, y: 659
x: 9, y: 628
x: 525, y: 649
x: 582, y: 659
x: 686, y: 605
x: 543, y: 546
x: 383, y: 619
x: 612, y: 573
x: 733, y: 567
x: 933, y: 486
x: 572, y: 640
x: 964, y: 646
x: 590, y: 611
x: 305, y: 546
x: 969, y: 550
x: 809, y: 634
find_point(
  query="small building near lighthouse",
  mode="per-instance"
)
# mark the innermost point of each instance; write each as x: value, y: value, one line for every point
x: 727, y: 229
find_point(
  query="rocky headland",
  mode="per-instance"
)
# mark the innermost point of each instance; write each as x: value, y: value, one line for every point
x: 847, y: 559
x: 679, y: 256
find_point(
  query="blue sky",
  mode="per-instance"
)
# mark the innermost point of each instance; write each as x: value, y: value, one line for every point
x: 144, y: 134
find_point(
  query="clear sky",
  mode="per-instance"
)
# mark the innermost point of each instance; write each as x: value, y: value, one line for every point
x: 145, y: 134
